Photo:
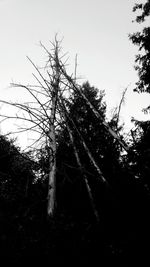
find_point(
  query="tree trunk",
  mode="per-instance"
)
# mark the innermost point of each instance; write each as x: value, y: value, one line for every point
x: 52, y: 140
x: 52, y: 174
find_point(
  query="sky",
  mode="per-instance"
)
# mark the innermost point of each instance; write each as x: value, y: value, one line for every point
x: 97, y: 31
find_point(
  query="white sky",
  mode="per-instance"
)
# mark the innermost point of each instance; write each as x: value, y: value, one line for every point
x: 96, y: 30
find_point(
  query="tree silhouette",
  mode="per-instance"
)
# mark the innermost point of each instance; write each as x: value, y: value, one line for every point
x: 49, y: 111
x: 142, y: 40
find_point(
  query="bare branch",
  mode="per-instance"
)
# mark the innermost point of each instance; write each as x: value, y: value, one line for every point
x: 45, y: 81
x: 30, y: 91
x: 76, y: 64
x: 120, y: 104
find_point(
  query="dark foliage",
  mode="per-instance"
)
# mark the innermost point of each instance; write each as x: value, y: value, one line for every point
x: 16, y: 172
x: 142, y: 40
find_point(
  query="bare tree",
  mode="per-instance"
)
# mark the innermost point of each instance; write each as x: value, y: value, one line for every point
x: 41, y: 114
x: 47, y: 110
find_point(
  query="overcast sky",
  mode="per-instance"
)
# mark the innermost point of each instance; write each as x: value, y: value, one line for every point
x: 96, y: 30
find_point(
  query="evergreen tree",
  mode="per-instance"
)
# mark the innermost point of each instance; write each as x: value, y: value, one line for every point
x: 98, y: 140
x: 141, y: 147
x: 104, y: 149
x: 142, y: 40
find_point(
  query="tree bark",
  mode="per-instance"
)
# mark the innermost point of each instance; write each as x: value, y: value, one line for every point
x: 52, y: 174
x: 51, y: 205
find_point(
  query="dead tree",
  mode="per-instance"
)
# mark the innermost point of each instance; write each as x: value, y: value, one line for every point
x: 40, y: 115
x: 43, y: 116
x: 52, y: 137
